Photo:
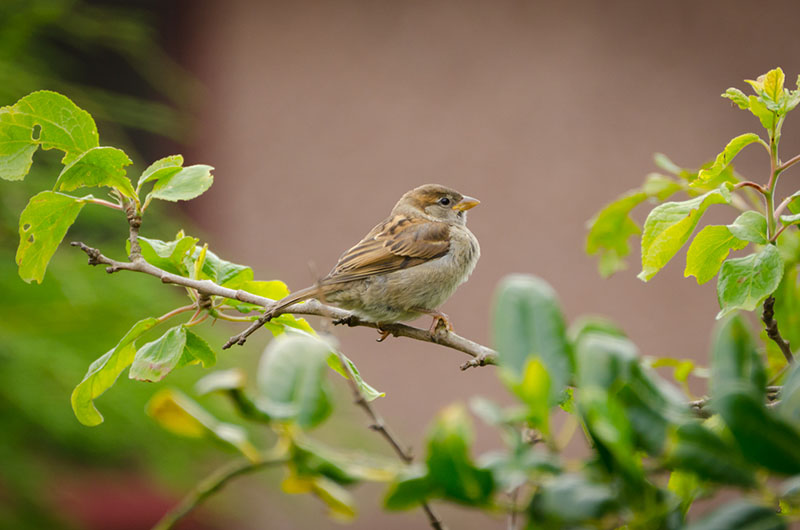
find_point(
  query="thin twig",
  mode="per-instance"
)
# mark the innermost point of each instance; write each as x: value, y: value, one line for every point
x: 512, y: 515
x: 482, y: 355
x: 379, y: 426
x: 792, y: 161
x: 701, y: 407
x: 748, y: 183
x: 211, y: 485
x: 768, y: 317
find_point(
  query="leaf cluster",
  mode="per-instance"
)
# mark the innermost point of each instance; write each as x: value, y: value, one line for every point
x: 743, y: 283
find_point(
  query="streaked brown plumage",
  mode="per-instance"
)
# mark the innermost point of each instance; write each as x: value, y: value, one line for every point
x: 406, y: 266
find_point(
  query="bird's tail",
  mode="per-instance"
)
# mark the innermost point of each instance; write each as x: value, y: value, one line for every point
x: 297, y: 296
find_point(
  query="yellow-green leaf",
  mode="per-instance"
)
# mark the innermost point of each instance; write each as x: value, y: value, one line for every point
x: 61, y: 125
x: 181, y: 415
x: 104, y: 372
x: 708, y: 250
x: 726, y: 156
x: 669, y: 226
x: 42, y: 225
x: 745, y: 282
x: 99, y: 166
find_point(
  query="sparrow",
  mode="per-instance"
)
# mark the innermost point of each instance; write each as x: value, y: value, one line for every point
x: 405, y: 267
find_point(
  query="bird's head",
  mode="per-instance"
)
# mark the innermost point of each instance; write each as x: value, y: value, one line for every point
x: 437, y: 203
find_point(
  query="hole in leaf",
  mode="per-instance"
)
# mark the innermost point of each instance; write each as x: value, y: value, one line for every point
x: 30, y: 238
x: 26, y: 227
x: 37, y: 132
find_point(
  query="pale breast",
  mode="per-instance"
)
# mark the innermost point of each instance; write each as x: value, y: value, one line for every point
x: 398, y: 296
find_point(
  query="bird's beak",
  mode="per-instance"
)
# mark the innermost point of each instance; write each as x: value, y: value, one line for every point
x: 466, y: 203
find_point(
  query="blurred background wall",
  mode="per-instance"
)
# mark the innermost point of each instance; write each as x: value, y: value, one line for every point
x: 319, y: 115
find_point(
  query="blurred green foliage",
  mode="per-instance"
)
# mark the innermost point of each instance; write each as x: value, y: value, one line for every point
x: 51, y: 332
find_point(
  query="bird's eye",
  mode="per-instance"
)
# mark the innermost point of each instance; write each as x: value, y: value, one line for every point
x: 444, y: 201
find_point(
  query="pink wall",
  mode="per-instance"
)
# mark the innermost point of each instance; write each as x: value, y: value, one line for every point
x: 319, y: 115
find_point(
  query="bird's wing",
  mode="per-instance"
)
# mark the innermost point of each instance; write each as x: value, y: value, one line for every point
x: 397, y: 243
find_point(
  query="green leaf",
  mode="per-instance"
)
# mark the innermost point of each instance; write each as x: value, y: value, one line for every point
x: 654, y: 408
x: 762, y: 112
x: 183, y: 185
x: 584, y: 325
x: 762, y: 437
x: 738, y: 97
x: 528, y: 324
x: 156, y: 359
x: 218, y: 270
x: 571, y: 499
x: 62, y: 125
x: 663, y: 162
x: 409, y: 492
x: 335, y: 363
x: 610, y: 428
x: 99, y: 166
x: 787, y: 307
x: 291, y: 380
x: 710, y: 247
x: 745, y: 282
x: 669, y: 226
x: 197, y: 350
x: 183, y: 416
x: 287, y: 320
x: 735, y: 362
x: 686, y: 486
x: 176, y: 348
x: 42, y: 225
x: 604, y: 359
x: 790, y: 219
x: 451, y: 471
x: 533, y: 390
x: 750, y: 226
x: 312, y: 458
x: 737, y: 390
x: 700, y: 451
x: 167, y: 255
x: 789, y: 406
x: 338, y: 500
x: 104, y: 372
x: 645, y: 406
x: 660, y: 187
x: 274, y: 289
x: 741, y: 515
x: 609, y: 231
x: 514, y: 468
x: 220, y: 381
x: 773, y: 84
x: 726, y: 156
x: 162, y: 168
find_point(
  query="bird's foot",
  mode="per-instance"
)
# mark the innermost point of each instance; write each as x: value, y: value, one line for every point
x: 441, y: 322
x: 383, y: 334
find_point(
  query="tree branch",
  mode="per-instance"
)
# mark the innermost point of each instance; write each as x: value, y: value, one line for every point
x: 379, y: 426
x: 211, y: 485
x: 482, y: 355
x: 768, y: 317
x: 700, y: 407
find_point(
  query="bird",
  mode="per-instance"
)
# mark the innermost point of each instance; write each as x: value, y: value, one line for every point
x: 406, y: 266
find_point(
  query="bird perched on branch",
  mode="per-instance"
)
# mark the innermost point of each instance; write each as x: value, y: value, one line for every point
x: 406, y: 266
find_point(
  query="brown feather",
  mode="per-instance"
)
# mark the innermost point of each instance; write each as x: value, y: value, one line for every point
x: 397, y: 243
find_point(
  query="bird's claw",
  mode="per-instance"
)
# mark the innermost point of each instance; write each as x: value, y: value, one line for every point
x: 441, y: 324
